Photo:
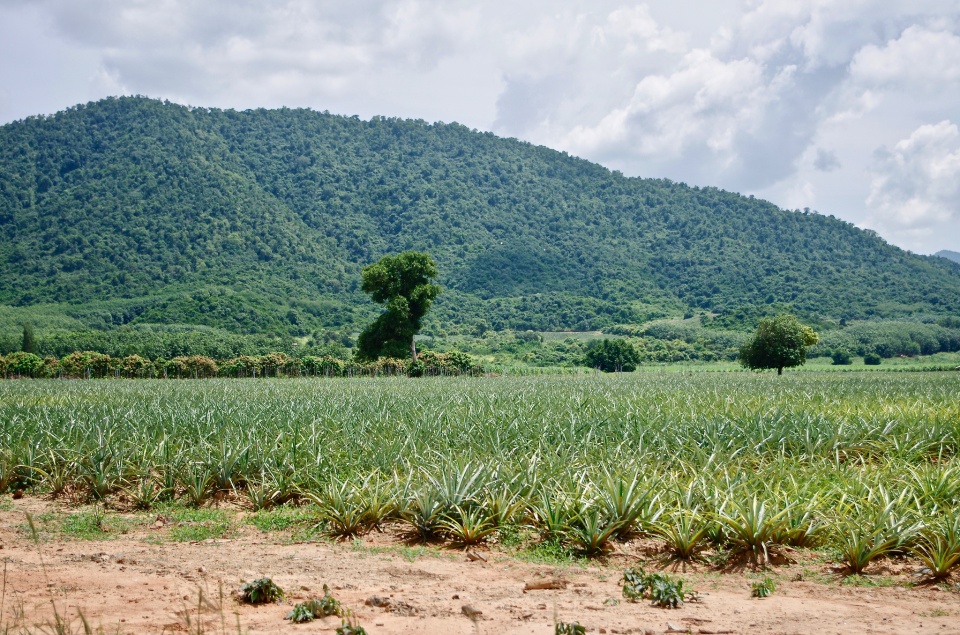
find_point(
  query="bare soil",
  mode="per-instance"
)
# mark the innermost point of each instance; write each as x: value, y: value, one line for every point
x: 142, y: 582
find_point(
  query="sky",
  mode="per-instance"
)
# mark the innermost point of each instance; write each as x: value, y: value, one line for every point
x: 850, y: 108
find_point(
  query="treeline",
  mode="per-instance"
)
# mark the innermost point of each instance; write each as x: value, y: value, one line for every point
x: 890, y: 339
x: 673, y: 341
x: 93, y: 365
x: 660, y: 341
x: 167, y: 342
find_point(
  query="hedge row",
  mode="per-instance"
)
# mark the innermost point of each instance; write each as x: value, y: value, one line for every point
x: 91, y: 365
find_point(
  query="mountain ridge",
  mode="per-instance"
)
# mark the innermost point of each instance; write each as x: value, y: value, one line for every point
x: 260, y: 221
x: 949, y: 255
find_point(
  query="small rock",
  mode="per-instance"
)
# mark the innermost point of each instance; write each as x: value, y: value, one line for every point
x: 474, y: 557
x: 404, y: 608
x: 456, y: 596
x: 378, y: 601
x: 471, y: 612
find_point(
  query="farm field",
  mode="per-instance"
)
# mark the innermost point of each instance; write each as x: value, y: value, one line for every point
x: 840, y: 486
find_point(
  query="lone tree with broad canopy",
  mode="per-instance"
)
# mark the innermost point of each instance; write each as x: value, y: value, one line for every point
x: 780, y: 342
x: 617, y: 355
x: 404, y: 283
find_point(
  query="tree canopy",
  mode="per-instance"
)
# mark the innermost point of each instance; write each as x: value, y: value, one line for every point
x: 612, y: 355
x: 780, y: 342
x: 404, y: 283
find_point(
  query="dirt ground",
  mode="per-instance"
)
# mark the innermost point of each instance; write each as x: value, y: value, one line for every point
x: 140, y: 582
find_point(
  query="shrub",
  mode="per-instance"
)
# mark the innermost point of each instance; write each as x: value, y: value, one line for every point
x: 23, y: 364
x: 307, y: 611
x: 261, y: 591
x: 841, y: 357
x: 871, y: 359
x: 660, y: 589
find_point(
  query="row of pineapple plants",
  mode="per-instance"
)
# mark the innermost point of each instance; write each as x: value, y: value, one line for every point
x: 751, y: 509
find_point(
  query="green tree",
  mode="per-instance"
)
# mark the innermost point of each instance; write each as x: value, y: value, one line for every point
x: 871, y: 359
x: 780, y: 342
x: 841, y: 357
x: 612, y: 356
x: 404, y: 283
x: 29, y: 344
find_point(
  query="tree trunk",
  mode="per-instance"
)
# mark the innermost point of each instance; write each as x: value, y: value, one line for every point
x: 413, y: 349
x: 780, y: 370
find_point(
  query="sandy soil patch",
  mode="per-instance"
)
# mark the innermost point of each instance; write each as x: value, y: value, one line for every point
x: 142, y: 582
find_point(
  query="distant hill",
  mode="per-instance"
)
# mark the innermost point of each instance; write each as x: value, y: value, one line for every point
x: 134, y: 211
x: 949, y: 255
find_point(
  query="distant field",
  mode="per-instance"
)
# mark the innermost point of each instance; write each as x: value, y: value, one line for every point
x: 935, y: 362
x: 815, y: 455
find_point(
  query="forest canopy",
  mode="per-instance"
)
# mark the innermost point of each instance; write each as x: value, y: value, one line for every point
x: 135, y: 212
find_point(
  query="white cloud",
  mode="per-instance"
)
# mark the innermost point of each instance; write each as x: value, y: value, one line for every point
x: 639, y: 30
x: 916, y: 185
x: 919, y: 58
x: 278, y: 51
x: 704, y: 102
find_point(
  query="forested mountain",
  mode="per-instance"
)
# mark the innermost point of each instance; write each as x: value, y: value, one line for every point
x: 131, y: 210
x: 949, y: 255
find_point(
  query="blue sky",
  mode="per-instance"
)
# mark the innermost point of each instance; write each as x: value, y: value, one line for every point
x: 847, y: 107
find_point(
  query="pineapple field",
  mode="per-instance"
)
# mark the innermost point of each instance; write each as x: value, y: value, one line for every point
x: 863, y: 464
x: 727, y: 471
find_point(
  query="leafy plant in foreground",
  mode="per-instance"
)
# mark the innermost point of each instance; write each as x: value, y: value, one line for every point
x: 763, y: 588
x: 301, y: 613
x: 322, y: 607
x: 261, y: 591
x: 666, y: 592
x: 350, y: 626
x: 571, y: 628
x: 659, y: 588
